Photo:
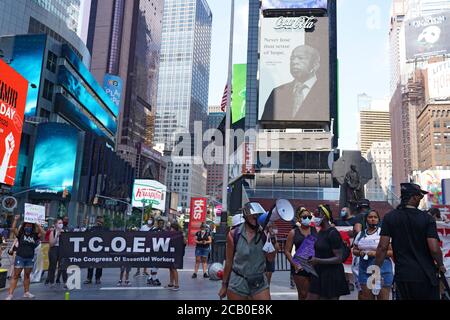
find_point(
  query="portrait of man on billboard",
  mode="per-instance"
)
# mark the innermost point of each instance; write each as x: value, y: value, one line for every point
x: 295, y: 99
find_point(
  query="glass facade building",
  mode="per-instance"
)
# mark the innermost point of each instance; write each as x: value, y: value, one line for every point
x: 66, y: 10
x: 184, y: 70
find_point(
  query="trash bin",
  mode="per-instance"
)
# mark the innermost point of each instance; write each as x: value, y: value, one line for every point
x: 3, y: 275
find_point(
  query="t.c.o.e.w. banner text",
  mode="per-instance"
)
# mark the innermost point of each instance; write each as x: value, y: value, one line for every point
x: 113, y: 249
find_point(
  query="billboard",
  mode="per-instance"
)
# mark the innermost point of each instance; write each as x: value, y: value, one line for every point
x: 428, y: 36
x: 55, y: 156
x: 239, y: 92
x: 431, y: 181
x: 439, y: 80
x: 294, y: 70
x: 13, y: 95
x: 197, y: 215
x: 294, y: 4
x: 149, y: 192
x: 25, y: 54
x: 113, y: 88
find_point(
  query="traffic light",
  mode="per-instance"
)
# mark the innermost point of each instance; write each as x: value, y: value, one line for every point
x: 65, y: 193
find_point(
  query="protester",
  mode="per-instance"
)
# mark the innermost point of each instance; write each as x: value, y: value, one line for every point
x: 415, y: 243
x: 244, y: 275
x: 270, y: 265
x: 66, y: 228
x: 295, y: 238
x: 346, y: 218
x: 330, y: 283
x: 124, y: 273
x: 98, y: 271
x: 54, y: 254
x: 146, y: 227
x: 202, y: 249
x: 365, y: 246
x: 173, y: 272
x: 28, y: 237
x: 153, y: 278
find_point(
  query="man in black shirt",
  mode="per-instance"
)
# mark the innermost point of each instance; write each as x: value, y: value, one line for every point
x: 98, y: 271
x: 415, y: 242
x: 346, y: 218
x: 153, y: 278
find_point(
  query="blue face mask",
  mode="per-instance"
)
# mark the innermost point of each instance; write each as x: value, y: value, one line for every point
x: 343, y: 214
x: 317, y: 221
x: 306, y: 222
x: 28, y: 230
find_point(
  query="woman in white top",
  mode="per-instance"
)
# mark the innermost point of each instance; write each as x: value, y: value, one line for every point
x: 365, y: 246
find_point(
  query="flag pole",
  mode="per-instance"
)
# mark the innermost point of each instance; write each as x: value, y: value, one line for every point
x: 224, y: 215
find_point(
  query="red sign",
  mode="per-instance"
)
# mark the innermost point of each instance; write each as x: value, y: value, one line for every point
x: 197, y: 215
x: 248, y: 168
x: 13, y: 95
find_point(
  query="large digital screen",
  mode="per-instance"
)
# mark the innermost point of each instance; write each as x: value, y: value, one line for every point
x: 294, y: 70
x: 25, y: 54
x: 54, y: 159
x: 294, y: 4
x: 428, y: 36
x: 239, y: 94
x: 13, y: 95
x: 86, y: 99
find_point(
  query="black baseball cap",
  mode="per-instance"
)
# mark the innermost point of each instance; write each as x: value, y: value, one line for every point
x: 363, y: 203
x: 411, y: 189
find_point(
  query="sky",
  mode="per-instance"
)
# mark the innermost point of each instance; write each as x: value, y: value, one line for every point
x: 363, y: 53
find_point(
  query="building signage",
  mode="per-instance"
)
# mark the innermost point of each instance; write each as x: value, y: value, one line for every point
x: 149, y: 192
x: 197, y: 217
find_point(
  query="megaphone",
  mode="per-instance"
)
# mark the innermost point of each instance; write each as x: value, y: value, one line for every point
x: 281, y: 210
x: 215, y: 271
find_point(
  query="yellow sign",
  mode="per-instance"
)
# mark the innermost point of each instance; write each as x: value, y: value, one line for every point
x: 44, y: 252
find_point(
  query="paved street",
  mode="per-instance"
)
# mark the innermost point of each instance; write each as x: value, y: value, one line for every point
x: 190, y: 289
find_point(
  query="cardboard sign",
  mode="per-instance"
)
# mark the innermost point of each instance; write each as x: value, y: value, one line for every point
x: 34, y: 213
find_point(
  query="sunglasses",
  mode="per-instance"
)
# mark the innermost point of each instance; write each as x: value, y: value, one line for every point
x: 306, y: 217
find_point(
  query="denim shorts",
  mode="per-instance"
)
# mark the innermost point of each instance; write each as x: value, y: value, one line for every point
x: 386, y: 271
x: 22, y: 263
x: 201, y: 252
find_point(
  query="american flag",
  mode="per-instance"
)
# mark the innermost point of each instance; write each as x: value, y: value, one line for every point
x: 224, y: 102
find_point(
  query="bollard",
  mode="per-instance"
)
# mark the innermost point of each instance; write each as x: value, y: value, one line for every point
x: 67, y: 295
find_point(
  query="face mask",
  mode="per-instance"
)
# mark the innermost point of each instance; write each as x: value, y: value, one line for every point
x: 150, y: 222
x: 59, y: 225
x: 373, y: 226
x: 343, y: 214
x: 306, y: 222
x: 317, y: 221
x: 28, y: 230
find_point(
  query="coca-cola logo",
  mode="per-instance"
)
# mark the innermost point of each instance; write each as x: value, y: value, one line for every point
x: 295, y: 23
x: 148, y: 193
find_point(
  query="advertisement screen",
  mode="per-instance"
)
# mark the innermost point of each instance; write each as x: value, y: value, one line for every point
x: 149, y: 192
x: 197, y: 215
x: 113, y: 88
x: 294, y: 70
x: 13, y: 95
x: 294, y: 4
x: 239, y: 92
x: 25, y: 54
x: 428, y: 36
x: 439, y: 80
x: 54, y: 160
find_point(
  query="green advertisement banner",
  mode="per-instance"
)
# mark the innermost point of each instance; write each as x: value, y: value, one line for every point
x: 239, y: 89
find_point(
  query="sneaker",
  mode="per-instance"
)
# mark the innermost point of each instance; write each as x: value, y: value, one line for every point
x: 150, y: 282
x: 119, y: 283
x: 28, y: 295
x: 205, y: 275
x: 169, y: 286
x: 127, y: 283
x: 65, y: 287
x: 88, y: 282
x: 98, y: 281
x: 156, y: 282
x: 9, y: 297
x: 58, y: 282
x: 176, y: 288
x: 194, y: 276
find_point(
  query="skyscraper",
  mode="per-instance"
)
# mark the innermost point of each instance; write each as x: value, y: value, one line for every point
x: 215, y: 171
x: 66, y: 10
x: 184, y: 71
x: 125, y: 40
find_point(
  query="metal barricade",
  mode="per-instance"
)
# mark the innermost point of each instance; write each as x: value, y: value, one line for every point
x: 281, y: 261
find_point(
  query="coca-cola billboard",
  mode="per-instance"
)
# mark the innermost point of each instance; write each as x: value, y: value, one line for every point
x: 149, y: 192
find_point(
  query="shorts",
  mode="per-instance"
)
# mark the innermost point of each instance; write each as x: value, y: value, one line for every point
x: 386, y: 272
x: 239, y: 285
x: 270, y: 266
x: 201, y: 252
x: 23, y: 263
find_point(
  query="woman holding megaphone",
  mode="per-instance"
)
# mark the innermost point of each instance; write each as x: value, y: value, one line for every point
x: 247, y: 251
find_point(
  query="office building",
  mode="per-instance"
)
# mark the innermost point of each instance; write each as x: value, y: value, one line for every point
x: 215, y: 171
x: 380, y: 156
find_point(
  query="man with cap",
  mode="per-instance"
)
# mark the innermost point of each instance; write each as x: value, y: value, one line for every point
x: 415, y: 242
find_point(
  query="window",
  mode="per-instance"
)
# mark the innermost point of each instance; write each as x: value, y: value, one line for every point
x: 51, y: 61
x: 48, y: 90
